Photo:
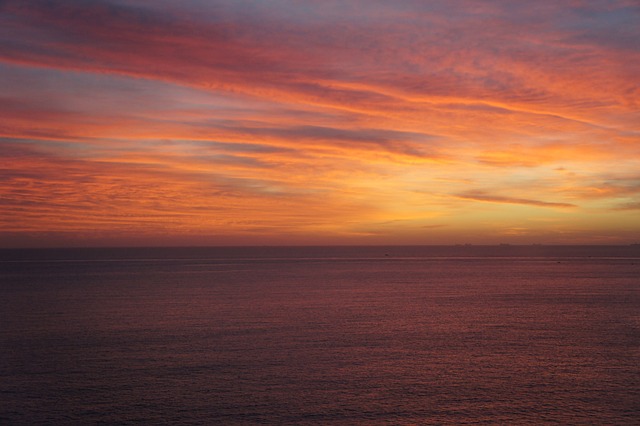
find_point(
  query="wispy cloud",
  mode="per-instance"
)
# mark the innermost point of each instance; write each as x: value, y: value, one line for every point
x: 321, y: 120
x: 632, y: 205
x: 489, y: 198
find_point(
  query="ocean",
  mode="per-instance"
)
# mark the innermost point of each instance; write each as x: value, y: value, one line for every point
x: 321, y: 335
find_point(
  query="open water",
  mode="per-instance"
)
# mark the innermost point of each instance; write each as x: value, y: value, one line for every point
x: 325, y: 335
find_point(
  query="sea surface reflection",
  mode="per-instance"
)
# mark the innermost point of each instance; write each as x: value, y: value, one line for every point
x: 322, y: 336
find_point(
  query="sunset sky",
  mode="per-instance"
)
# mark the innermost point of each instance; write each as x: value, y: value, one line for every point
x: 207, y: 122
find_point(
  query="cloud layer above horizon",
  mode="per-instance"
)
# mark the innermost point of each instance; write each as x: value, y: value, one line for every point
x: 134, y: 122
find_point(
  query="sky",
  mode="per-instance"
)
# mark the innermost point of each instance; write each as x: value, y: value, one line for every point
x: 292, y: 122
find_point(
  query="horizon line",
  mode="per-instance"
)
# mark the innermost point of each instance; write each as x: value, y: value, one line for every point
x: 79, y: 247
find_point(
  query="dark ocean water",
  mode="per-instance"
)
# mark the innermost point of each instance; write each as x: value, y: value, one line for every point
x: 401, y: 335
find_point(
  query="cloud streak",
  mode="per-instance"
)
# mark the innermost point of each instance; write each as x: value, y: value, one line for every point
x: 488, y: 198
